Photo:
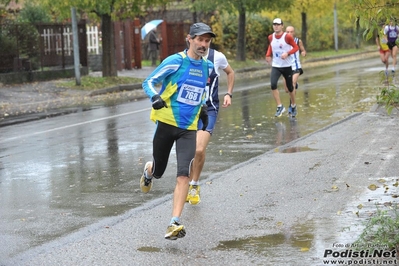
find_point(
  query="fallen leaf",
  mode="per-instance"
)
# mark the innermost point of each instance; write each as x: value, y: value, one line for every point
x: 360, y: 206
x: 372, y: 187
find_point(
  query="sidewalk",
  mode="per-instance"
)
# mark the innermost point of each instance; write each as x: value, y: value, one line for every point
x: 287, y: 211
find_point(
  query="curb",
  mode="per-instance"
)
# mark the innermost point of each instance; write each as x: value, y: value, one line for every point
x: 122, y: 87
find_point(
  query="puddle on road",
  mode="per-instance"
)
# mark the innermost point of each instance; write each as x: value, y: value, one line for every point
x: 259, y: 245
x: 149, y: 249
x: 296, y: 149
x: 292, y: 244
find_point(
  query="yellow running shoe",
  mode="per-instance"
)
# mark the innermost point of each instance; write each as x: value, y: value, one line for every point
x: 193, y: 196
x: 146, y: 184
x: 175, y: 231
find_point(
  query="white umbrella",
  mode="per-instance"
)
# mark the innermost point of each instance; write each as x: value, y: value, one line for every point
x: 149, y: 26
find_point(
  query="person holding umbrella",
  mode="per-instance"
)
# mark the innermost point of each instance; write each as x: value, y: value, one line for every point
x: 154, y: 46
x: 176, y: 109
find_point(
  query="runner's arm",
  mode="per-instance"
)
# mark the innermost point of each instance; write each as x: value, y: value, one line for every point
x: 302, y: 48
x: 269, y: 50
x: 168, y: 66
x: 290, y: 40
x: 230, y: 85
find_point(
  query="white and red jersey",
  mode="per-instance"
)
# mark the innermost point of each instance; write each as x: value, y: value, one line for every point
x: 283, y: 43
x: 280, y: 46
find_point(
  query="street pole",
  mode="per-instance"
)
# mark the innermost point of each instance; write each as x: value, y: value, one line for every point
x: 335, y: 27
x: 75, y: 45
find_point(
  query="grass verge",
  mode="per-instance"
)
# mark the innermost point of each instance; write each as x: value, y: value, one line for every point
x: 93, y: 83
x: 381, y: 230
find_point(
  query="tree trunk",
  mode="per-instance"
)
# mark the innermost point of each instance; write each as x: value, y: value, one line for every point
x: 108, y: 45
x: 357, y: 33
x: 304, y: 29
x: 240, y: 56
x: 195, y: 17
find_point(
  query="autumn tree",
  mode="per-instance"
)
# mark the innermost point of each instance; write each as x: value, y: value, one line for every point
x: 370, y: 14
x: 314, y: 22
x: 242, y: 8
x: 4, y: 3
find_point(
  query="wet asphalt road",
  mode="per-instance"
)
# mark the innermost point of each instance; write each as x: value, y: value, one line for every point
x: 65, y: 179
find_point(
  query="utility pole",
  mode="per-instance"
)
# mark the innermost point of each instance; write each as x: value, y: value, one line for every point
x: 335, y: 27
x: 75, y: 45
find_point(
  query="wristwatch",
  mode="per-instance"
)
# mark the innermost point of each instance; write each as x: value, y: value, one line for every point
x: 231, y: 95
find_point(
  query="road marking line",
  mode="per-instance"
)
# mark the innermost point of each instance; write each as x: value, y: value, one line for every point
x: 72, y: 125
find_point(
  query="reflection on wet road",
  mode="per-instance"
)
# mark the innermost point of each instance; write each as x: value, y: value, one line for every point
x: 60, y: 174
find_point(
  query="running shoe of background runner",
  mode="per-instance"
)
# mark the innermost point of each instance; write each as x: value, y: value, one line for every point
x: 146, y: 184
x: 193, y: 196
x: 280, y: 111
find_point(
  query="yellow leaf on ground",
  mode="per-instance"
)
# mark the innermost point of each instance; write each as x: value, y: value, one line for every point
x: 372, y: 187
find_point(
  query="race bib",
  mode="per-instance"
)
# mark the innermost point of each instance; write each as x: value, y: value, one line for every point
x: 190, y: 94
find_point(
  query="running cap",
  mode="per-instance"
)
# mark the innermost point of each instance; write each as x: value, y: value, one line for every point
x: 200, y: 29
x: 277, y: 21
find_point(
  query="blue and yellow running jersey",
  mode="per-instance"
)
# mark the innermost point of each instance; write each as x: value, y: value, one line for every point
x: 183, y: 89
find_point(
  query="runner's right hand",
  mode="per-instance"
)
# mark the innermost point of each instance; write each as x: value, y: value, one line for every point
x: 157, y: 102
